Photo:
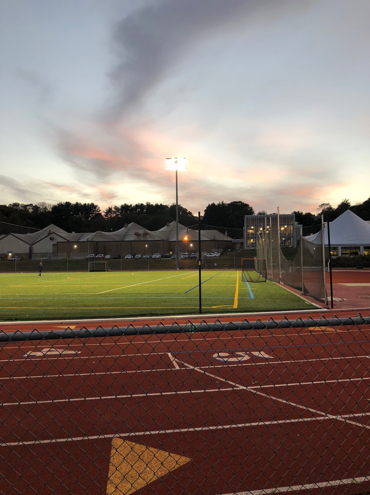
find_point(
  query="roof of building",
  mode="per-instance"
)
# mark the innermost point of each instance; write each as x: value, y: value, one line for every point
x: 130, y: 232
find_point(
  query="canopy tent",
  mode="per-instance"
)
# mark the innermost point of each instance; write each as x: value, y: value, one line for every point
x: 345, y: 231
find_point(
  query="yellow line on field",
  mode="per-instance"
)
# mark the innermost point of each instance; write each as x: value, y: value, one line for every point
x: 236, y: 291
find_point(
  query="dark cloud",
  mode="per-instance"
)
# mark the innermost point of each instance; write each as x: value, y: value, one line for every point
x: 151, y: 42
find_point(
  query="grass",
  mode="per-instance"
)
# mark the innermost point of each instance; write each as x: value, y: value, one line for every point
x: 26, y: 296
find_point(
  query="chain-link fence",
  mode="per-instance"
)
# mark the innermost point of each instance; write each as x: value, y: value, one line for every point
x: 305, y: 272
x: 238, y: 408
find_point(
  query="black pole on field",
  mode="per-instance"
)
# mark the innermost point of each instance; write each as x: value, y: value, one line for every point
x: 200, y: 265
x: 330, y: 272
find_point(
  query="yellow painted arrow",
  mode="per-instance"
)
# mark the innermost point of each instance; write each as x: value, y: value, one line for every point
x: 133, y: 466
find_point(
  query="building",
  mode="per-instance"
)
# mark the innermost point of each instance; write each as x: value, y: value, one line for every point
x: 261, y: 224
x: 53, y: 242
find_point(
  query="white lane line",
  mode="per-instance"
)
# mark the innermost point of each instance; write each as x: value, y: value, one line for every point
x: 173, y: 361
x: 230, y: 365
x: 168, y: 432
x: 311, y: 486
x: 179, y: 392
x: 125, y: 396
x: 160, y: 432
x: 135, y: 285
x: 275, y: 399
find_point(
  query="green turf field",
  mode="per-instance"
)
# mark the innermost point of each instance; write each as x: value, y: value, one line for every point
x: 121, y: 294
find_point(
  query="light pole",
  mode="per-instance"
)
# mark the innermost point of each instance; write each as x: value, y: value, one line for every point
x: 177, y: 163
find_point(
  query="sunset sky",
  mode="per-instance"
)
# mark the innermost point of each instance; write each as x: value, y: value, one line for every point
x: 269, y: 100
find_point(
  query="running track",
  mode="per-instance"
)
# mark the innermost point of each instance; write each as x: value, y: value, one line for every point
x: 244, y: 411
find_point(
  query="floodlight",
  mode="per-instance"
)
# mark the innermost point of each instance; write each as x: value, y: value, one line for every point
x: 177, y: 163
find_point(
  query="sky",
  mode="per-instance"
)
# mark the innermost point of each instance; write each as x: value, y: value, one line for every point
x: 267, y: 99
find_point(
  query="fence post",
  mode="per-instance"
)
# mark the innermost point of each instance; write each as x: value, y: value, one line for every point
x: 279, y: 248
x: 301, y: 248
x: 323, y: 257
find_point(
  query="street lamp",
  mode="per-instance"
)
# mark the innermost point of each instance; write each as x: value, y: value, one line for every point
x: 177, y: 163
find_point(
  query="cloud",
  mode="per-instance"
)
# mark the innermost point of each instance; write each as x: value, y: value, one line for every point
x: 42, y: 89
x: 152, y: 42
x: 14, y: 188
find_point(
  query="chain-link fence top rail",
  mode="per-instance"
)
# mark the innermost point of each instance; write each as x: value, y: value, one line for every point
x: 305, y: 272
x: 242, y: 408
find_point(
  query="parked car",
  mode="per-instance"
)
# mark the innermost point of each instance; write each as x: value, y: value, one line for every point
x: 210, y: 255
x: 128, y: 257
x: 137, y: 256
x: 14, y: 258
x: 173, y: 257
x: 147, y: 256
x: 166, y: 255
x: 108, y: 257
x: 184, y: 256
x: 116, y: 257
x: 99, y: 257
x: 193, y: 256
x: 156, y: 256
x: 90, y: 256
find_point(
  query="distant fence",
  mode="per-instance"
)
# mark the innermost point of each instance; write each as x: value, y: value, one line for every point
x: 225, y: 262
x: 222, y: 408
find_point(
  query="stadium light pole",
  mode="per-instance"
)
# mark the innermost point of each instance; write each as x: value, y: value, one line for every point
x: 177, y: 163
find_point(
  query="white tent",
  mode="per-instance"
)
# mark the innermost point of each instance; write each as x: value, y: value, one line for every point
x: 348, y: 230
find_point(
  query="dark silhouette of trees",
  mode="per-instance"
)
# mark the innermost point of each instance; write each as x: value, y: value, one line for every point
x: 88, y: 217
x: 362, y: 209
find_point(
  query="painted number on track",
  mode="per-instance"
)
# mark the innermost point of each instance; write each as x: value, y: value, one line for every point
x: 228, y: 357
x: 50, y: 351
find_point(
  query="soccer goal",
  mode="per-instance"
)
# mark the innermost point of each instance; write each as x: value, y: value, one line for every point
x: 254, y: 269
x: 98, y: 266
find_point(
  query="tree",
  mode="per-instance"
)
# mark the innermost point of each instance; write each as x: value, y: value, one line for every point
x: 327, y: 210
x: 342, y: 207
x: 227, y: 215
x: 362, y: 209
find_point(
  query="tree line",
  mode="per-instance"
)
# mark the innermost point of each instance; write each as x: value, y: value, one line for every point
x: 88, y: 217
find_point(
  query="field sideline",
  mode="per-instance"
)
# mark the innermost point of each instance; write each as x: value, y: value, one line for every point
x: 26, y: 296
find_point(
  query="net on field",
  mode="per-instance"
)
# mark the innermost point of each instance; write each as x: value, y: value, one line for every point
x: 305, y: 272
x: 254, y: 270
x: 98, y: 266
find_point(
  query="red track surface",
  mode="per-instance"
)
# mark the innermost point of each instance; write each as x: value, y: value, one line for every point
x: 244, y: 424
x: 297, y: 415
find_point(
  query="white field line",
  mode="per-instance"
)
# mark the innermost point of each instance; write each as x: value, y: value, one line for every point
x: 311, y: 486
x: 135, y: 285
x: 275, y: 399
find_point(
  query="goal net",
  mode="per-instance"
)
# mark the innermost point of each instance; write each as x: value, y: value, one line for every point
x: 98, y: 266
x: 254, y: 269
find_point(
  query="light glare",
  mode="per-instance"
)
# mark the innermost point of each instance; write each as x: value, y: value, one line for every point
x: 177, y: 163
